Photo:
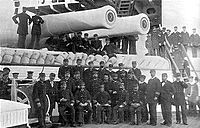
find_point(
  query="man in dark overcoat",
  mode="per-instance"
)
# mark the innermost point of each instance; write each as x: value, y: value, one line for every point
x: 153, y: 92
x: 167, y: 90
x: 39, y: 100
x: 179, y: 99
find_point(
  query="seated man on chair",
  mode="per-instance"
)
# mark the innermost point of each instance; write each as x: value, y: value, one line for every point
x: 121, y: 105
x: 83, y: 101
x: 103, y: 101
x: 65, y: 105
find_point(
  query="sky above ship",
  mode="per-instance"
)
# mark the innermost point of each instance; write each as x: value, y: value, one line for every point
x: 181, y: 13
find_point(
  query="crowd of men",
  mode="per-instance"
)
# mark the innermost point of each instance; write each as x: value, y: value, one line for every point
x: 156, y: 40
x: 105, y: 95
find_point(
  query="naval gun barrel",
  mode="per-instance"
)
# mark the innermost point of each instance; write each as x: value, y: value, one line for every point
x: 100, y: 18
x: 137, y: 24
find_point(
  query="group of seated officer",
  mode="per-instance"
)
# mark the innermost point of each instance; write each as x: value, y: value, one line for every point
x: 81, y: 44
x: 100, y: 96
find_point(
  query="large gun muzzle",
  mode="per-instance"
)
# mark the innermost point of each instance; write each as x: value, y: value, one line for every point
x: 101, y: 18
x: 138, y: 24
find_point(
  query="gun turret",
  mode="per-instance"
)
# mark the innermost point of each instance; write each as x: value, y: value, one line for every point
x: 101, y: 18
x: 138, y: 24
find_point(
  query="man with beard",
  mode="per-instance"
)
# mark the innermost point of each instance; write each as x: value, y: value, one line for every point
x: 102, y: 101
x: 166, y: 93
x: 130, y: 82
x: 87, y: 43
x: 102, y: 70
x: 110, y: 70
x: 179, y: 99
x: 123, y: 77
x: 121, y: 69
x: 65, y: 105
x: 88, y: 74
x: 107, y: 83
x: 77, y: 82
x: 121, y: 105
x: 153, y: 92
x: 96, y: 45
x: 78, y: 67
x: 63, y: 69
x: 83, y: 101
x: 94, y: 85
x: 135, y: 71
x: 78, y: 42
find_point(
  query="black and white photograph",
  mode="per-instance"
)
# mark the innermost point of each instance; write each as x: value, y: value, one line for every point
x: 100, y: 63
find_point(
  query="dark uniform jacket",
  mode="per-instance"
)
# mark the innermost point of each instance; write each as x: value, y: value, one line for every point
x: 96, y: 44
x: 37, y: 21
x: 167, y: 90
x: 82, y: 96
x: 162, y: 37
x: 119, y: 72
x: 102, y: 71
x: 179, y: 96
x: 107, y: 85
x: 155, y: 39
x: 62, y: 70
x: 114, y: 88
x: 185, y: 38
x: 102, y: 97
x: 77, y: 41
x: 195, y: 39
x: 23, y: 23
x: 176, y: 38
x: 4, y: 89
x: 39, y: 93
x: 122, y: 97
x: 66, y: 94
x: 94, y: 86
x: 77, y: 68
x: 134, y: 97
x: 130, y: 83
x: 143, y: 91
x: 110, y: 49
x: 76, y: 86
x: 88, y: 75
x: 153, y: 89
x: 52, y: 91
x: 70, y: 83
x: 136, y: 71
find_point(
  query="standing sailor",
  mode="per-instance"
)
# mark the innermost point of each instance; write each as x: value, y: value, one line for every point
x: 179, y: 98
x: 22, y: 27
x: 39, y: 99
x: 36, y: 31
